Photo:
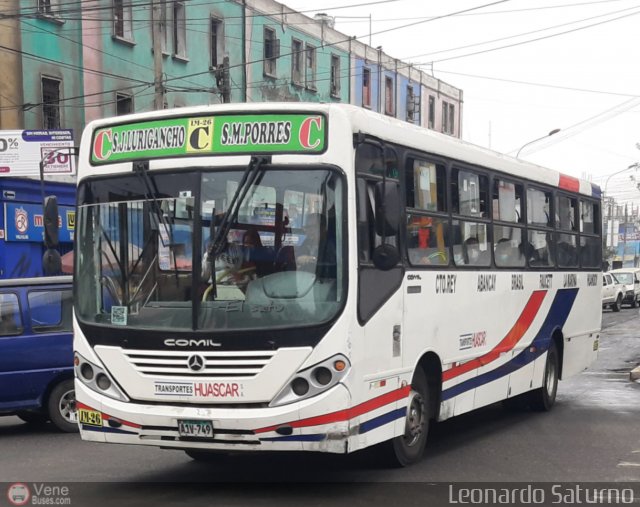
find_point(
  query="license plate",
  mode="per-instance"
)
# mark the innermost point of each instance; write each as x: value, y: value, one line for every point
x: 89, y: 417
x: 195, y: 429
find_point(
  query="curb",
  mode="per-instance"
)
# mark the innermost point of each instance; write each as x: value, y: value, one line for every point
x: 635, y: 374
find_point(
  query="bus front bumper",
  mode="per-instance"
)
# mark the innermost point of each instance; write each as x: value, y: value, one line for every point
x: 314, y: 424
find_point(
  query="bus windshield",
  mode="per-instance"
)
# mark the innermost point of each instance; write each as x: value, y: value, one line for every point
x: 145, y: 255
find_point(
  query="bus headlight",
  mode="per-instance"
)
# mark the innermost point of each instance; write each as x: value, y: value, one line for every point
x: 313, y: 380
x: 96, y: 378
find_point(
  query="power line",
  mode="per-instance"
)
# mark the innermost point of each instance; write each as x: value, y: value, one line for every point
x: 531, y: 83
x: 534, y: 40
x: 44, y: 30
x: 581, y: 126
x: 490, y: 13
x: 70, y: 66
x: 517, y: 35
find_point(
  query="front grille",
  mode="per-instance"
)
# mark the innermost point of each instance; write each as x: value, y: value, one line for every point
x: 245, y: 364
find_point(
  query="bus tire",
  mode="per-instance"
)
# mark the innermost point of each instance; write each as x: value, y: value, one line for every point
x: 408, y: 449
x: 543, y: 399
x: 62, y: 407
x: 34, y: 418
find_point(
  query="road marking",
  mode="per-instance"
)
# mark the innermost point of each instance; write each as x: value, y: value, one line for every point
x: 628, y: 464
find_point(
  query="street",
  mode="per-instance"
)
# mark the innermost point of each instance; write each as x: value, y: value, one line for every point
x: 591, y: 435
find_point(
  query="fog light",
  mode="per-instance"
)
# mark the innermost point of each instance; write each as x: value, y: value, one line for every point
x: 87, y: 371
x: 322, y: 375
x: 300, y: 386
x: 103, y: 381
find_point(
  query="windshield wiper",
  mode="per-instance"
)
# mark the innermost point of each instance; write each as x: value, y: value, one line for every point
x: 218, y: 242
x: 141, y: 169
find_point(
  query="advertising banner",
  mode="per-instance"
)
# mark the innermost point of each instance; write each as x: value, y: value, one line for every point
x: 22, y: 150
x: 25, y: 222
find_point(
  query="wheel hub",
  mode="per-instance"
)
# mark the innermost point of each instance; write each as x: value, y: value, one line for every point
x: 68, y: 407
x: 415, y: 420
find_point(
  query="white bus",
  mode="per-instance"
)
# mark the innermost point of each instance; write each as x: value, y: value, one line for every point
x: 319, y: 277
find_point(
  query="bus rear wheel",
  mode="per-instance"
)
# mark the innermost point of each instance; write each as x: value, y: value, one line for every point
x: 543, y: 399
x: 407, y: 449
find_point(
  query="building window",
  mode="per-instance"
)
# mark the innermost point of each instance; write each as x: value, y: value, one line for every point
x: 48, y: 7
x: 448, y: 118
x: 366, y: 87
x: 50, y: 103
x: 179, y: 30
x: 164, y: 29
x: 335, y: 76
x: 271, y: 51
x: 122, y: 21
x: 296, y: 61
x: 217, y: 44
x: 124, y: 104
x: 310, y: 67
x: 432, y: 112
x: 388, y: 96
x: 411, y: 104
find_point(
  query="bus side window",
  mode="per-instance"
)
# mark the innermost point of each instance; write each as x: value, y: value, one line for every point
x: 371, y: 163
x: 469, y: 193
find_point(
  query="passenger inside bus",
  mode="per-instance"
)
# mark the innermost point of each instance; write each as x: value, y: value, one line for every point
x: 472, y: 254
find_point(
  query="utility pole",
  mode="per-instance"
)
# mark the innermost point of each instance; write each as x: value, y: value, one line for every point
x: 159, y: 14
x: 379, y: 48
x: 223, y: 81
x: 624, y: 238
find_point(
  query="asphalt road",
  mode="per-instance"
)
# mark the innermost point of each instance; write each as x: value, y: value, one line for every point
x: 593, y: 434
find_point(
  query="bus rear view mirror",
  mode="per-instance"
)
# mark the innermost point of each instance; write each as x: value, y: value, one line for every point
x: 51, y: 262
x: 387, y: 195
x: 386, y: 256
x: 51, y: 221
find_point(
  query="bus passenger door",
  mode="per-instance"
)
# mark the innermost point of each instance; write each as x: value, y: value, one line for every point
x: 380, y: 298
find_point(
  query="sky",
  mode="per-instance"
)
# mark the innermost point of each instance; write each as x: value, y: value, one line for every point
x: 526, y: 67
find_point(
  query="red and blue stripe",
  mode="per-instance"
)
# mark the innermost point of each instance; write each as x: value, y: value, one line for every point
x: 557, y: 316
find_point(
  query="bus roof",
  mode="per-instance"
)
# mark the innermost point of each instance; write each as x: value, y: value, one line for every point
x: 371, y: 123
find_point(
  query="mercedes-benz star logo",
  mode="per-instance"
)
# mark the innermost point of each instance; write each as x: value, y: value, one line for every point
x: 196, y: 362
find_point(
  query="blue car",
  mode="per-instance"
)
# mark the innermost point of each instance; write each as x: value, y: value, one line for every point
x: 36, y: 351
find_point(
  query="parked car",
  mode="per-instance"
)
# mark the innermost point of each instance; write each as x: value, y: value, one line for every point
x: 630, y: 278
x: 36, y: 351
x: 612, y: 292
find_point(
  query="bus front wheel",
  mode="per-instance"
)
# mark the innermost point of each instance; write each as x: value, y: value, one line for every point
x: 407, y: 449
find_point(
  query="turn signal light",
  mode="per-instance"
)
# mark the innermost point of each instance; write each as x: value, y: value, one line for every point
x: 339, y: 365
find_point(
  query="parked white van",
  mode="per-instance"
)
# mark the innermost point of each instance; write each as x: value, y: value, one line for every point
x: 630, y: 278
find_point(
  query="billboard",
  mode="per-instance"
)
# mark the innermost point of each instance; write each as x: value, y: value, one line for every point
x: 22, y: 150
x: 25, y: 222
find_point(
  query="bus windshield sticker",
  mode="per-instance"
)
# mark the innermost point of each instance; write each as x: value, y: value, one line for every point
x: 209, y: 135
x: 119, y: 315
